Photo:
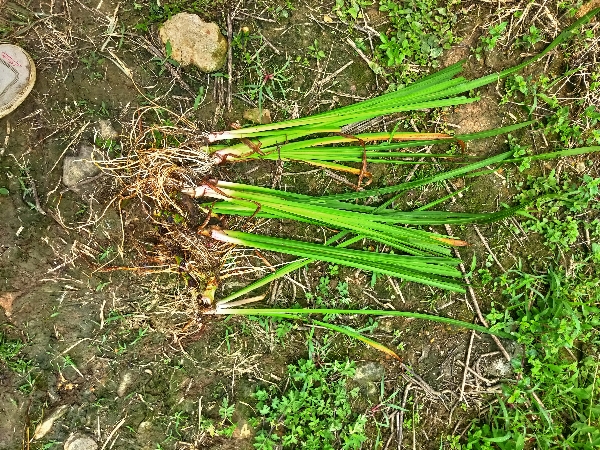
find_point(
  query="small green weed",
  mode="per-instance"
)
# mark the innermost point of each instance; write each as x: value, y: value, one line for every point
x: 14, y: 17
x: 560, y: 205
x: 93, y: 110
x: 280, y: 11
x: 199, y: 98
x: 162, y: 62
x: 330, y: 292
x: 490, y: 40
x: 267, y: 83
x: 223, y: 426
x: 382, y: 413
x: 25, y: 183
x: 419, y: 33
x: 279, y: 326
x: 109, y: 145
x: 9, y: 351
x: 537, y: 97
x: 572, y: 133
x: 570, y: 7
x: 529, y: 39
x: 158, y: 11
x: 519, y: 151
x: 413, y: 420
x: 315, y: 411
x: 350, y: 10
x: 93, y: 64
x: 106, y: 254
x: 122, y: 344
x: 315, y: 51
x: 177, y: 420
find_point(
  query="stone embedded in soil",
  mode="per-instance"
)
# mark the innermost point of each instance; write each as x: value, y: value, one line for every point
x: 125, y: 384
x: 194, y: 41
x: 254, y: 115
x: 243, y: 430
x: 368, y: 373
x: 148, y: 434
x: 106, y: 130
x: 495, y: 60
x: 498, y: 367
x: 79, y: 168
x: 80, y: 442
x: 368, y: 376
x: 144, y: 426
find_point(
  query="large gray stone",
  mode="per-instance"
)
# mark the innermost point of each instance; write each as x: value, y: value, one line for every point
x: 194, y: 42
x: 79, y: 168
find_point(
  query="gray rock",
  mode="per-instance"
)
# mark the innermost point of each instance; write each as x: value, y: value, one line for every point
x: 498, y: 367
x: 125, y: 384
x: 368, y: 373
x: 77, y: 441
x: 78, y: 168
x: 106, y: 130
x: 194, y: 42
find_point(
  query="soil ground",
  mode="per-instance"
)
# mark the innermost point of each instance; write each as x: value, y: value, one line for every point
x: 118, y: 354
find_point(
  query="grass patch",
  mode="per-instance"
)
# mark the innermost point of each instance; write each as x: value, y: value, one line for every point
x: 561, y: 206
x: 156, y: 11
x: 554, y: 400
x: 11, y: 357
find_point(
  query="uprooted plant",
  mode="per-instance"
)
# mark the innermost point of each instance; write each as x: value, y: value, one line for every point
x: 167, y: 168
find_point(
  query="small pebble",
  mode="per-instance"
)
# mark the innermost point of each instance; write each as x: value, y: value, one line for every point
x: 80, y: 442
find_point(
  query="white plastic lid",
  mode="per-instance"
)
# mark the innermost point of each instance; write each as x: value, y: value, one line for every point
x: 17, y: 77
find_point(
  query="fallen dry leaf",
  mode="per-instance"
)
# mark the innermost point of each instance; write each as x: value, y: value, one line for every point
x: 43, y: 428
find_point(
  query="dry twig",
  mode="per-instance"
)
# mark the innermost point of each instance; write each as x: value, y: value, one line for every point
x: 467, y: 361
x: 475, y: 304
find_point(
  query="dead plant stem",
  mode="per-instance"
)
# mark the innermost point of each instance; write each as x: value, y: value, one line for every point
x: 229, y: 61
x: 474, y: 299
x: 486, y: 245
x: 467, y: 362
x: 401, y: 417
